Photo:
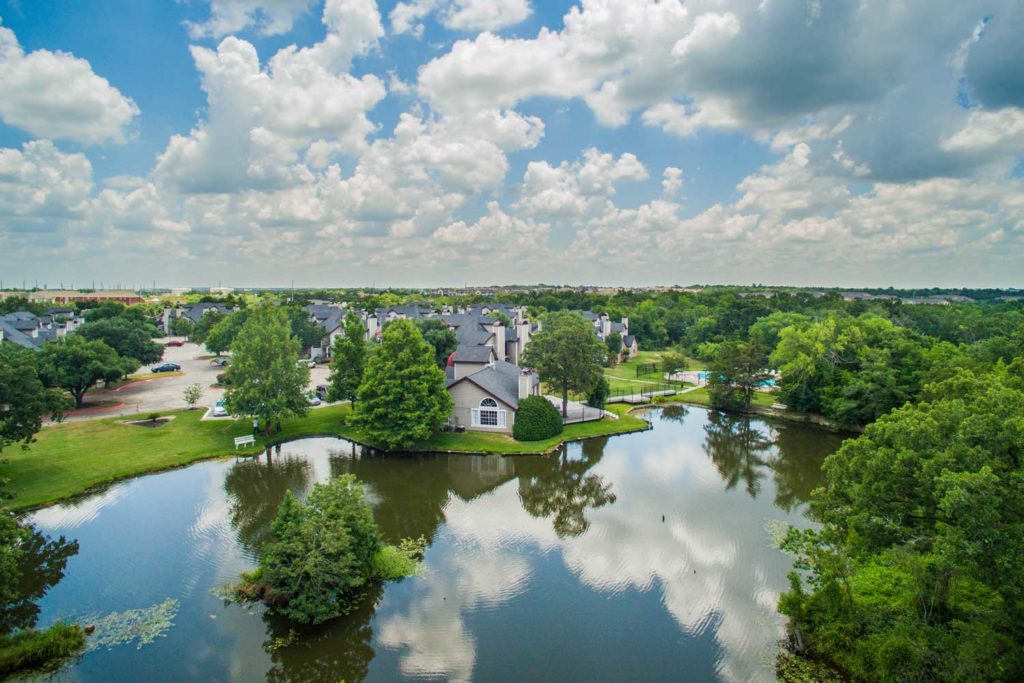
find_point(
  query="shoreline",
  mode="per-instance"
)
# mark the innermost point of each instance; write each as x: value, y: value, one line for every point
x: 437, y: 446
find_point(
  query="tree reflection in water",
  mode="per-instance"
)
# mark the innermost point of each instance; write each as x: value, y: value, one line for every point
x: 256, y: 488
x: 41, y: 567
x: 738, y: 449
x: 797, y: 470
x: 340, y: 650
x: 559, y: 486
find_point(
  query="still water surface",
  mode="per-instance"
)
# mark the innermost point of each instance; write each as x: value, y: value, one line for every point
x: 555, y: 569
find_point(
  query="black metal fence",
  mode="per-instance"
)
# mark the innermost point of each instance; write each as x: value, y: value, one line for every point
x: 641, y: 392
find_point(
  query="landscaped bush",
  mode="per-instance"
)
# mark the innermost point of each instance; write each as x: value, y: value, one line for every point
x: 222, y: 379
x: 536, y: 420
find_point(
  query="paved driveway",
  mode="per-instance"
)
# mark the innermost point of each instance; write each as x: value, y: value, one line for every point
x: 164, y: 392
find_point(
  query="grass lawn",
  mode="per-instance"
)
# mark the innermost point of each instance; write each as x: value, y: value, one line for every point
x: 627, y: 370
x: 764, y: 399
x: 71, y: 458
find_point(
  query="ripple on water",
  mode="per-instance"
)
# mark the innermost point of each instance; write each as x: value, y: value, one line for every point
x: 66, y: 516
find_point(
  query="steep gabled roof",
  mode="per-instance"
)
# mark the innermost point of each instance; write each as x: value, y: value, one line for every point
x: 474, y: 354
x: 500, y: 380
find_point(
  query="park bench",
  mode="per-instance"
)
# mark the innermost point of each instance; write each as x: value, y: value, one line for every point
x: 248, y: 440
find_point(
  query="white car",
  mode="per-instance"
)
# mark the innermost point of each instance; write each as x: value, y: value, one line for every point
x: 219, y: 410
x: 312, y: 399
x: 308, y: 362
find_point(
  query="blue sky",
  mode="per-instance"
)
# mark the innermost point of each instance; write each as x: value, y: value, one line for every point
x: 432, y: 142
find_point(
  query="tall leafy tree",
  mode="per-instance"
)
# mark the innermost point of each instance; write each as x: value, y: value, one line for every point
x: 402, y: 398
x: 23, y: 398
x: 305, y: 330
x: 437, y: 333
x: 735, y: 373
x: 613, y: 342
x: 915, y: 573
x: 222, y: 335
x: 321, y: 553
x: 266, y: 383
x: 567, y: 355
x: 205, y: 323
x: 348, y: 360
x: 130, y: 338
x: 77, y: 364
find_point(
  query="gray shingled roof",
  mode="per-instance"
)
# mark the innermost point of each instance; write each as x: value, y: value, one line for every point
x: 327, y: 317
x: 195, y: 311
x: 473, y: 354
x: 628, y: 339
x: 500, y: 380
x: 15, y: 336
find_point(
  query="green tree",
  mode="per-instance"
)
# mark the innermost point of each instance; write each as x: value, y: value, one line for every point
x: 77, y: 364
x: 23, y: 398
x: 567, y: 355
x: 348, y: 360
x: 915, y: 572
x: 205, y: 323
x: 265, y: 380
x: 321, y: 553
x: 130, y: 338
x: 222, y: 335
x: 193, y: 392
x: 402, y: 398
x: 613, y: 342
x: 735, y: 374
x: 20, y: 303
x: 598, y: 396
x: 673, y: 361
x: 437, y: 333
x: 181, y: 326
x: 30, y: 564
x: 305, y: 330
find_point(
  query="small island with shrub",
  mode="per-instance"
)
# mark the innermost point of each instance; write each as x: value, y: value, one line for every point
x: 323, y: 553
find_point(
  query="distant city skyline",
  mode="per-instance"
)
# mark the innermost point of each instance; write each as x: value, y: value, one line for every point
x: 427, y: 143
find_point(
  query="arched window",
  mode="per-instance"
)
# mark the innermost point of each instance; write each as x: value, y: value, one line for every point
x: 488, y: 415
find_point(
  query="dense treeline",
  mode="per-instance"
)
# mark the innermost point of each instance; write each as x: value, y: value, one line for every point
x: 916, y: 572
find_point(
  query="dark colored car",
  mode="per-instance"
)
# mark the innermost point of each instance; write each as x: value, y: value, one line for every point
x: 321, y: 392
x: 175, y: 342
x: 166, y: 367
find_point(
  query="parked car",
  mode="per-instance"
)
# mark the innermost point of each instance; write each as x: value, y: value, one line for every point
x: 308, y: 362
x: 321, y: 392
x: 175, y: 342
x: 312, y: 399
x: 219, y: 410
x: 166, y: 367
x: 220, y: 361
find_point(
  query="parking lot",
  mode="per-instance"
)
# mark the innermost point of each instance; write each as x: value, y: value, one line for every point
x: 166, y: 392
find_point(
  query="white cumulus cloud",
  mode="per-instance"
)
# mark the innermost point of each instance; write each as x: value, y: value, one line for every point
x: 57, y: 95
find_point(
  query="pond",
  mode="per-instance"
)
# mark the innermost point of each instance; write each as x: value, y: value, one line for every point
x: 639, y: 557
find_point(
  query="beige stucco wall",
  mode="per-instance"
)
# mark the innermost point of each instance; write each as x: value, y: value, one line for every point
x: 466, y: 396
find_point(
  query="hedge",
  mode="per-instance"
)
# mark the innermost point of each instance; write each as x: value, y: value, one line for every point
x: 536, y: 420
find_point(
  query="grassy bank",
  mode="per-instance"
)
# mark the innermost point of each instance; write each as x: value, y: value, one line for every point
x: 72, y: 458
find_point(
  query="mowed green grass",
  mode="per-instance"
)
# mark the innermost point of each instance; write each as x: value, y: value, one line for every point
x: 482, y: 442
x: 72, y: 458
x: 700, y: 396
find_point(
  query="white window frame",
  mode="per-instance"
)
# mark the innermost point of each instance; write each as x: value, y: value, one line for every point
x: 489, y: 407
